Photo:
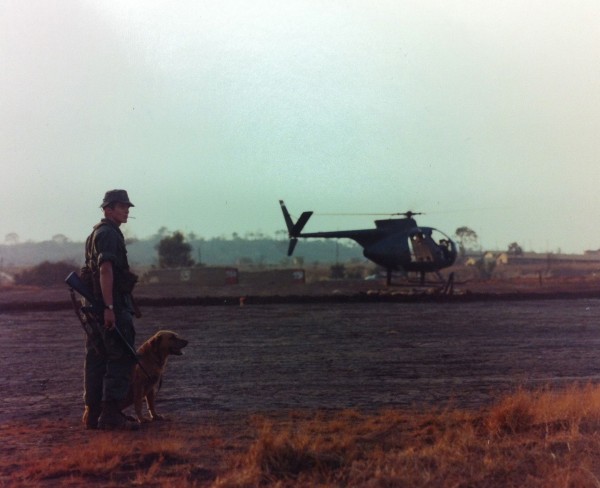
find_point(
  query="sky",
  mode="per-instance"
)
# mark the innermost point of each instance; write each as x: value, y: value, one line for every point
x: 477, y: 113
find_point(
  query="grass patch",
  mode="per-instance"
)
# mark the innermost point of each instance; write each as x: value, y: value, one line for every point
x: 542, y: 438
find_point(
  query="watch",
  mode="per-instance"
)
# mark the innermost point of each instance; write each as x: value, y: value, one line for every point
x: 110, y: 307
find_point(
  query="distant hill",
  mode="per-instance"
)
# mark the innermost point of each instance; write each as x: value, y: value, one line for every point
x: 211, y: 252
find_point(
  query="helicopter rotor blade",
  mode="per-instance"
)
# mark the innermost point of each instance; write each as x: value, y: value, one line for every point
x: 292, y: 246
x: 286, y: 215
x: 408, y: 214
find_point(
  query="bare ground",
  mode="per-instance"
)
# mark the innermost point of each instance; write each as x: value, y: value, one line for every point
x: 280, y: 359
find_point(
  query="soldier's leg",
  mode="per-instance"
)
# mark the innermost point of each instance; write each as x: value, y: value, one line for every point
x: 119, y: 369
x: 93, y: 381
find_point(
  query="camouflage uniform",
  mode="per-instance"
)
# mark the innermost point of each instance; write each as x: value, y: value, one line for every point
x: 108, y: 364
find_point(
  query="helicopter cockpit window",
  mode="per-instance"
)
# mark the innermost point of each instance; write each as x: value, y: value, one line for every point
x: 431, y: 246
x: 445, y: 249
x: 423, y: 246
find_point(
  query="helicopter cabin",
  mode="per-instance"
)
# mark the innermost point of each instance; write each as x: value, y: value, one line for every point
x: 424, y: 248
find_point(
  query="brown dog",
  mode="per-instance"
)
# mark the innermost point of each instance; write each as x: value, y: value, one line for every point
x: 153, y: 356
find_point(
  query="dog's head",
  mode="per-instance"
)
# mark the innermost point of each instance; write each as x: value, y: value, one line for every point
x: 166, y: 342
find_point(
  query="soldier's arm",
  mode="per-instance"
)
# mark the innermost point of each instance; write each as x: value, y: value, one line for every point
x: 106, y: 285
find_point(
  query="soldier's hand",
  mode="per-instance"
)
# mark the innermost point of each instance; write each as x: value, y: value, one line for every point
x: 109, y: 319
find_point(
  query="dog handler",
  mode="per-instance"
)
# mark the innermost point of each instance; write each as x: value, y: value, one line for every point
x: 108, y: 364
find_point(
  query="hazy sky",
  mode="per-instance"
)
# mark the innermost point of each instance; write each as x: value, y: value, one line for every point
x: 478, y: 113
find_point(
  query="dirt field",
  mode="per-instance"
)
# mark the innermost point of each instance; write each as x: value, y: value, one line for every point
x: 365, y: 356
x: 276, y: 358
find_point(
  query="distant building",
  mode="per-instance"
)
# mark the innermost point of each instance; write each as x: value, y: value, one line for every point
x: 217, y: 276
x: 505, y: 258
x: 204, y: 276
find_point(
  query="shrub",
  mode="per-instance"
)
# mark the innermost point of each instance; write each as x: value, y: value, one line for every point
x: 44, y: 274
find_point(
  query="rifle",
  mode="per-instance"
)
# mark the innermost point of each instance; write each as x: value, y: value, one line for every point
x: 95, y: 309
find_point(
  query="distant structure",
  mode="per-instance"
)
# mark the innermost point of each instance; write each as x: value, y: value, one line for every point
x: 506, y: 265
x: 203, y: 276
x: 219, y: 276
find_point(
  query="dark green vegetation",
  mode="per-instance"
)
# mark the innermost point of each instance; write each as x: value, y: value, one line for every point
x: 174, y: 252
x: 253, y: 249
x: 44, y: 274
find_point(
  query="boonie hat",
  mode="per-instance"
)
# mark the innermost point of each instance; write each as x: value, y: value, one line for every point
x: 112, y: 196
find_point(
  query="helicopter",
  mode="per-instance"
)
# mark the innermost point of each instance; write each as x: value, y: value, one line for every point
x: 396, y: 244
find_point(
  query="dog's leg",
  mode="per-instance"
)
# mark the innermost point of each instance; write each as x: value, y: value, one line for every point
x: 138, y: 400
x: 150, y: 397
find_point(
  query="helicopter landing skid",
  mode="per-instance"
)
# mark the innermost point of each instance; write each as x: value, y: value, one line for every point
x: 442, y: 287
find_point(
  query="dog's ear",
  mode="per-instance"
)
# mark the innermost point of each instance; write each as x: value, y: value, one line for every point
x: 155, y: 343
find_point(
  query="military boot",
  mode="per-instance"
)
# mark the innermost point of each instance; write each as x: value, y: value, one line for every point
x: 112, y: 418
x: 90, y: 416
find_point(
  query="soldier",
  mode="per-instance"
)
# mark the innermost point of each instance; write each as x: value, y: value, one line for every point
x: 108, y: 364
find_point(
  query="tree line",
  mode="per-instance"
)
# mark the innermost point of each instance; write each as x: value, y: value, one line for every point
x: 168, y: 249
x: 254, y: 249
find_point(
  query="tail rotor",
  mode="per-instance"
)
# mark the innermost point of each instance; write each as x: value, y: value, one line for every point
x: 294, y: 229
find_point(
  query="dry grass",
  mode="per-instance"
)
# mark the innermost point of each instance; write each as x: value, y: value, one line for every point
x: 541, y: 439
x: 145, y: 459
x: 545, y: 438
